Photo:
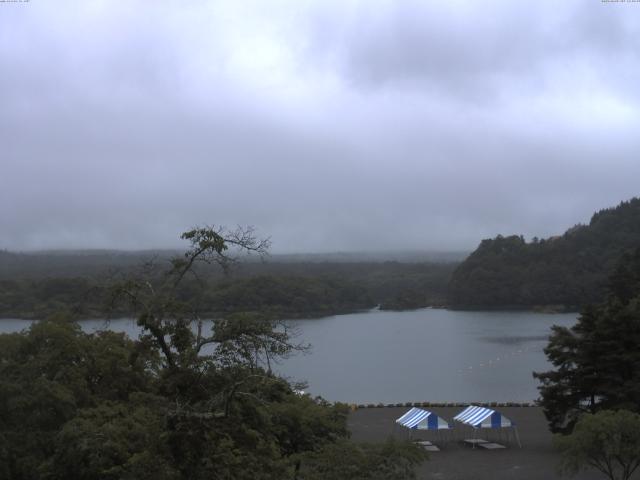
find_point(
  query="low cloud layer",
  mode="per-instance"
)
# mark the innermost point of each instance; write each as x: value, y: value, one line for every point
x: 326, y: 125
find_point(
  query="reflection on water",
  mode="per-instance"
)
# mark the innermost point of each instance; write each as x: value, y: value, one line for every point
x: 420, y: 355
x: 425, y: 355
x: 516, y: 340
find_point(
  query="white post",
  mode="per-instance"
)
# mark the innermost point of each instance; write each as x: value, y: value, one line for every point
x: 515, y: 430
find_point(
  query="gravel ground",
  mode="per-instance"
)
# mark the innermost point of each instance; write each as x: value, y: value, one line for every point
x: 536, y: 460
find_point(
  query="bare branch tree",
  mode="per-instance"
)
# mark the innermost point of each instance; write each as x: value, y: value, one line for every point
x: 247, y: 344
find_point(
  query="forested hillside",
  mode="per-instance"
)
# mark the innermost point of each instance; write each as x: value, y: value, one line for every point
x: 561, y: 272
x: 37, y: 285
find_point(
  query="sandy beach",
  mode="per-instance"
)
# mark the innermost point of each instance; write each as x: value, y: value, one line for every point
x: 536, y: 459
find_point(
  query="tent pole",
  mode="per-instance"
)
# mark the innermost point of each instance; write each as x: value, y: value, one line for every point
x: 515, y: 430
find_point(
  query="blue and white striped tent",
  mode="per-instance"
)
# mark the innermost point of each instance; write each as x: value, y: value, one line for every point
x: 481, y: 417
x: 420, y: 419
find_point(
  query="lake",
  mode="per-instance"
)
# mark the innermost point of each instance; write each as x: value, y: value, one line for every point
x: 420, y: 355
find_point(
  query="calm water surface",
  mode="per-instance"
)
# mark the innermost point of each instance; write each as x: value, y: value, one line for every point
x: 419, y: 355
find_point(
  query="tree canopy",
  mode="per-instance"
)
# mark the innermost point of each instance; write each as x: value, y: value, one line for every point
x: 180, y: 402
x: 567, y: 271
x: 37, y: 285
x: 607, y: 441
x: 597, y: 361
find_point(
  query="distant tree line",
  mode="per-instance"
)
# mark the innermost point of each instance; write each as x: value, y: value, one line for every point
x: 283, y: 290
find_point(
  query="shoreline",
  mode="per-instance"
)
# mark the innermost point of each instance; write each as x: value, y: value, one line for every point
x: 542, y: 309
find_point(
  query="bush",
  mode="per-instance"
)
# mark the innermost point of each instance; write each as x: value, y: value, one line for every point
x: 608, y: 441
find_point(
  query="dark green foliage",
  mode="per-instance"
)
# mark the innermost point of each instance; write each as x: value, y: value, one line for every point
x: 112, y: 441
x: 39, y: 298
x: 607, y: 441
x: 74, y: 405
x: 284, y: 296
x: 180, y: 403
x: 51, y: 374
x: 566, y: 272
x: 283, y: 290
x: 288, y: 296
x: 392, y: 460
x: 597, y: 362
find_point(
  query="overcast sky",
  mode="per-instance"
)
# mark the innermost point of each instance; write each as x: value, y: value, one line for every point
x: 329, y: 126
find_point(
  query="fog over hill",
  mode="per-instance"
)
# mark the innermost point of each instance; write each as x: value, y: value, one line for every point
x: 64, y: 263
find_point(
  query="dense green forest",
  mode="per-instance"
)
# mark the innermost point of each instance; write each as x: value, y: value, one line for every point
x: 103, y: 406
x: 563, y: 272
x: 591, y: 396
x: 596, y: 361
x: 36, y: 285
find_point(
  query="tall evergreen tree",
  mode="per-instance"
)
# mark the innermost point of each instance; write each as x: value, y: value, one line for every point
x: 597, y: 361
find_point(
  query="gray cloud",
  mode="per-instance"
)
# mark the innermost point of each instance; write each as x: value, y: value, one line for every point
x: 328, y: 126
x: 479, y: 50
